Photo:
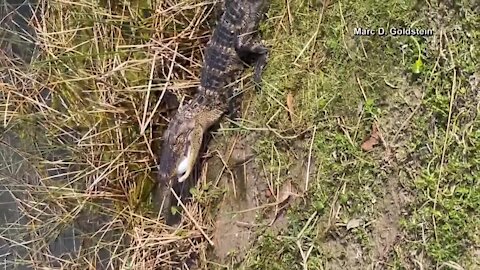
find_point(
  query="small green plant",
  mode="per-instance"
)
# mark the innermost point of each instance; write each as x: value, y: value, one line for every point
x: 417, y: 67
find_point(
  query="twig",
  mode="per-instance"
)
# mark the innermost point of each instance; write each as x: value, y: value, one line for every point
x: 444, y: 150
x: 315, y: 34
x: 307, y: 177
x: 191, y: 217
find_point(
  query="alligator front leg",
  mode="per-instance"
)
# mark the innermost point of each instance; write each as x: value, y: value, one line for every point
x: 252, y: 51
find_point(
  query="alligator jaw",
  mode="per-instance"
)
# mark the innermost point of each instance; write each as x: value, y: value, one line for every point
x: 183, y: 141
x: 185, y: 165
x: 204, y: 120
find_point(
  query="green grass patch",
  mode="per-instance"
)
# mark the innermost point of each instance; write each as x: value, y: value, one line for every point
x: 85, y: 119
x: 344, y: 84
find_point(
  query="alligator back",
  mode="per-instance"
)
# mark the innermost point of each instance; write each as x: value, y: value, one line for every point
x: 223, y: 56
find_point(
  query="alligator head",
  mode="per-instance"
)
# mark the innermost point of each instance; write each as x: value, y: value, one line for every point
x: 182, y: 142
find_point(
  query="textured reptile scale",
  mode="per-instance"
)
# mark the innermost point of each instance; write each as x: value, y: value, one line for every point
x: 221, y: 62
x: 233, y: 43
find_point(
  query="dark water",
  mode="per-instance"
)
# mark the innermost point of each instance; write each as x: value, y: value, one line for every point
x: 18, y: 242
x: 16, y: 36
x: 17, y: 42
x: 19, y: 245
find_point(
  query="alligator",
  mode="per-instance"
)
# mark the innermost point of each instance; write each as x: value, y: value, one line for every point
x: 235, y: 44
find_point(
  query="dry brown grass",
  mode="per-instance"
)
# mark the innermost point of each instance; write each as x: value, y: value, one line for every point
x: 82, y: 122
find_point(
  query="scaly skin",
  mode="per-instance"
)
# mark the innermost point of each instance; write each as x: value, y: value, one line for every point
x: 233, y: 44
